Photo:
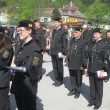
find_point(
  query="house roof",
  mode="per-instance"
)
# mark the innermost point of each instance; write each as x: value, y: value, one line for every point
x: 71, y: 7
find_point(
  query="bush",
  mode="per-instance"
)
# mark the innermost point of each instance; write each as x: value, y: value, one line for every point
x: 104, y: 33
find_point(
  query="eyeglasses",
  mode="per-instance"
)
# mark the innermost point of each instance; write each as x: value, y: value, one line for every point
x: 75, y: 32
x: 20, y: 31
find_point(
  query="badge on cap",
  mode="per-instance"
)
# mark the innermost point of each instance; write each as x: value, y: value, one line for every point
x: 6, y: 54
x: 6, y: 31
x: 30, y: 25
x: 36, y: 60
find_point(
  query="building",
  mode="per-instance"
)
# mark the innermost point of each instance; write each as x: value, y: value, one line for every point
x: 71, y: 15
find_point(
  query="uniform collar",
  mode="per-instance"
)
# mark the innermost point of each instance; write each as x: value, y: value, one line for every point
x: 28, y: 42
x: 58, y: 28
x: 77, y: 38
x: 99, y: 41
x: 38, y: 28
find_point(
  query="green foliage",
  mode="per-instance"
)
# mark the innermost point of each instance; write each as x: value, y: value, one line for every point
x: 97, y: 11
x: 3, y: 3
x: 32, y: 9
x: 104, y: 33
x: 55, y: 14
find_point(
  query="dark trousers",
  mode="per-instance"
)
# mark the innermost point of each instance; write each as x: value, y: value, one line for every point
x: 96, y: 89
x: 4, y: 99
x: 57, y: 67
x: 26, y: 103
x: 76, y: 80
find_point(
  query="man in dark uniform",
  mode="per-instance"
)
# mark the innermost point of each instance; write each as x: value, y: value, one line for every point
x: 11, y: 31
x: 41, y: 33
x: 98, y: 61
x: 88, y: 33
x: 76, y: 58
x: 107, y: 40
x: 58, y: 45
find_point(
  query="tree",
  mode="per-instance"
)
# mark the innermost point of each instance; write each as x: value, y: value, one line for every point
x: 97, y: 11
x: 55, y: 13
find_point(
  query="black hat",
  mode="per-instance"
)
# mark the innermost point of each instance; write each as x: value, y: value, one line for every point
x: 78, y: 29
x: 108, y: 30
x: 26, y: 23
x: 57, y: 19
x: 36, y: 21
x: 4, y: 30
x: 97, y: 30
x: 89, y: 22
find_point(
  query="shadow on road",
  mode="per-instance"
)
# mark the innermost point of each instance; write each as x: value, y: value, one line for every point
x: 43, y: 71
x: 51, y: 74
x: 67, y: 83
x: 84, y: 88
x: 85, y: 91
x: 39, y: 104
x: 12, y: 102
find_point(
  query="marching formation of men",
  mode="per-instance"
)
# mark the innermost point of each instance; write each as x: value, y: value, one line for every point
x: 85, y: 52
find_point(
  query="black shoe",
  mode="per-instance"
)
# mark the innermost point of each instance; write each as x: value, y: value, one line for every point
x: 90, y: 105
x: 71, y: 93
x: 58, y: 84
x: 105, y: 80
x: 96, y: 108
x: 54, y: 83
x: 76, y: 96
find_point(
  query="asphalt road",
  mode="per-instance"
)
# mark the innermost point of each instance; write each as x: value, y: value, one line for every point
x: 55, y: 98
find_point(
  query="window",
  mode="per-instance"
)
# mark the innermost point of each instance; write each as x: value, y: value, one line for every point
x: 64, y: 12
x: 72, y: 12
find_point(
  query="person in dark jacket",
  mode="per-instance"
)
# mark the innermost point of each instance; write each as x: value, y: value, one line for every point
x: 41, y: 33
x: 6, y: 55
x: 98, y: 64
x: 28, y: 57
x: 58, y: 45
x: 107, y: 40
x: 88, y: 33
x: 76, y: 58
x: 42, y: 38
x: 11, y: 31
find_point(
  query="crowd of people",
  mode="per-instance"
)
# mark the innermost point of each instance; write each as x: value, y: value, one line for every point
x: 21, y: 61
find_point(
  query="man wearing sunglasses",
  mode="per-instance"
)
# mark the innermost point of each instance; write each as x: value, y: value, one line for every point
x: 76, y: 58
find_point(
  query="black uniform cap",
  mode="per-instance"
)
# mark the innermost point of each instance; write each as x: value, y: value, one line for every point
x: 26, y: 23
x: 4, y: 30
x: 57, y: 19
x: 78, y: 29
x: 36, y: 21
x: 89, y: 22
x: 108, y: 30
x: 97, y: 30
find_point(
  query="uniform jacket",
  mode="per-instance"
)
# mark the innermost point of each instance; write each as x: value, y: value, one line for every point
x: 28, y: 56
x: 76, y: 53
x: 5, y: 60
x: 98, y: 56
x: 59, y: 41
x: 88, y: 36
x: 41, y: 33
